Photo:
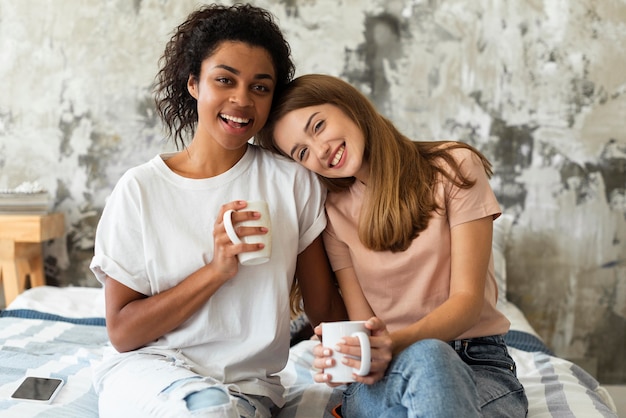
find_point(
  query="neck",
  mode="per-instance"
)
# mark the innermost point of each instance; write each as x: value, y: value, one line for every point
x: 363, y: 174
x: 199, y: 163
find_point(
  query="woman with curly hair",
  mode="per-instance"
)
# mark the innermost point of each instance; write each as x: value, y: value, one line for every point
x: 195, y: 333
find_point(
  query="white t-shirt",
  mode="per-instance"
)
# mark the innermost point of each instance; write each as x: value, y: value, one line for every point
x: 157, y: 228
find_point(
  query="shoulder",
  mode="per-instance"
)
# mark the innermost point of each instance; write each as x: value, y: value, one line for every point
x: 157, y: 163
x: 261, y: 154
x: 136, y: 179
x: 459, y: 151
x: 466, y: 158
x: 140, y: 173
x: 348, y: 201
x: 279, y: 164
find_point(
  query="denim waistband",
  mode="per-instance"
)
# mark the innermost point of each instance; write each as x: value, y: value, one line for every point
x: 489, y: 340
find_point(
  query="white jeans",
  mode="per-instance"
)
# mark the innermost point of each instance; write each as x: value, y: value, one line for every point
x: 156, y: 385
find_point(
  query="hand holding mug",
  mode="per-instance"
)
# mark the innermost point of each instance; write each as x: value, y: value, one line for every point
x: 251, y: 258
x: 381, y: 346
x: 332, y: 334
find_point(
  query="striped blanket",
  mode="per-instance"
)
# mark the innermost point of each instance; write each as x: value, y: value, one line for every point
x: 41, y: 344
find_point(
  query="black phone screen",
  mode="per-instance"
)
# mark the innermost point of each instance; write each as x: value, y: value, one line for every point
x: 37, y: 388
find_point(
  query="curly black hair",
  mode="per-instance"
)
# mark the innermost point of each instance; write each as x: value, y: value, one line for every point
x: 196, y: 39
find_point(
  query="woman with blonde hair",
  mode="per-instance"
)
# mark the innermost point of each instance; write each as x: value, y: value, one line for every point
x: 409, y: 237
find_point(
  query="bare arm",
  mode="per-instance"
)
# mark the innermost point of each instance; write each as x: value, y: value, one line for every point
x: 471, y: 251
x: 134, y: 319
x: 357, y: 305
x: 322, y: 301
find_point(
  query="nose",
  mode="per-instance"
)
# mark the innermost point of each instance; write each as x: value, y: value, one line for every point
x: 322, y: 149
x: 241, y: 96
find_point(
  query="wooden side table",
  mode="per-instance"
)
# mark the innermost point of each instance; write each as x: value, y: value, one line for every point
x: 21, y: 236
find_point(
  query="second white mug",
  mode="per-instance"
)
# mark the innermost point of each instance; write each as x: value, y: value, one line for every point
x: 261, y: 256
x: 332, y: 332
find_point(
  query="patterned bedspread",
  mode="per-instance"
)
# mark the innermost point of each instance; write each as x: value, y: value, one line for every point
x: 41, y: 344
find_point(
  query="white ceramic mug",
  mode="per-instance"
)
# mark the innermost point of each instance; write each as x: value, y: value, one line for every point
x: 332, y: 332
x: 261, y: 256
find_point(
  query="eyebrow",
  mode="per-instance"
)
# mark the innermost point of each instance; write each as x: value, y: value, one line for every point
x: 261, y: 76
x: 308, y: 122
x: 306, y: 128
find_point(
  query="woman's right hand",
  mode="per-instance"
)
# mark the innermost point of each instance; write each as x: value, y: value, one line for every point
x: 323, y: 359
x: 225, y: 262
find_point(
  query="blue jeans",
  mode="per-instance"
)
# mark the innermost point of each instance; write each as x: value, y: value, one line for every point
x: 431, y: 378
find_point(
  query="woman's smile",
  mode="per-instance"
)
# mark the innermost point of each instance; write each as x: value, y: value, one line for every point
x: 236, y: 125
x: 338, y: 156
x: 235, y: 121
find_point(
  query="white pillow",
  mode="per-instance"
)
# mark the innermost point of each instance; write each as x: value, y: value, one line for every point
x: 501, y: 231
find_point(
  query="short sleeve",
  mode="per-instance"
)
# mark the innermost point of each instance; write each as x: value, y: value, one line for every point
x: 338, y: 252
x: 118, y: 251
x: 476, y: 202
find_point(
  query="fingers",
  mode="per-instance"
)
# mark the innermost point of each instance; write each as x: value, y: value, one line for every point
x: 376, y: 325
x: 238, y: 215
x: 224, y: 250
x: 323, y: 357
x: 325, y: 378
x: 234, y: 205
x: 381, y: 353
x: 318, y: 331
x: 322, y: 361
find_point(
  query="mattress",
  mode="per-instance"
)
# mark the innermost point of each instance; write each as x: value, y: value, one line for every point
x: 59, y: 332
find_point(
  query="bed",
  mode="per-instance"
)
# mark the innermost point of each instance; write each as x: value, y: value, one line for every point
x: 60, y: 332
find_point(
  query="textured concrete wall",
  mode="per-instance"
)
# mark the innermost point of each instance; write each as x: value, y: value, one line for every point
x: 538, y: 85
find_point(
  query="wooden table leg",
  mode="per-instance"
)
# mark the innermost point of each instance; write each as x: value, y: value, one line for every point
x: 21, y: 237
x: 10, y: 280
x: 18, y: 260
x: 34, y: 261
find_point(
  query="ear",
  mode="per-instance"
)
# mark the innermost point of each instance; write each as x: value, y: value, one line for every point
x: 192, y: 86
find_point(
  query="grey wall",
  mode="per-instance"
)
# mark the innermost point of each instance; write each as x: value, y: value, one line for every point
x: 538, y: 85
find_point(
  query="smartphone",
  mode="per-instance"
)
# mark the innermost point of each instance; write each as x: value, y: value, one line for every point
x: 38, y: 389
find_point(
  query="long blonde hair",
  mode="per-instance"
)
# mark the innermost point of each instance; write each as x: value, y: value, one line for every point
x: 400, y: 194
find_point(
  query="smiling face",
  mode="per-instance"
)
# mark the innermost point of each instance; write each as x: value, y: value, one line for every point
x: 234, y: 94
x: 324, y: 140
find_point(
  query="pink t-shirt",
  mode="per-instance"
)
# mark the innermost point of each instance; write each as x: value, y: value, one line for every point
x: 403, y: 287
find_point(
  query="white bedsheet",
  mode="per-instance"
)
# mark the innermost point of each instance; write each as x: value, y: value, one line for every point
x: 71, y: 302
x: 555, y: 387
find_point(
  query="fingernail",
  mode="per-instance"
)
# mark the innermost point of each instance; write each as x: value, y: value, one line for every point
x: 326, y: 352
x: 328, y: 362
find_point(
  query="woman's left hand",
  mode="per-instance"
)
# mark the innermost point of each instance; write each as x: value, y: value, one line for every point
x: 381, y: 354
x: 381, y: 344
